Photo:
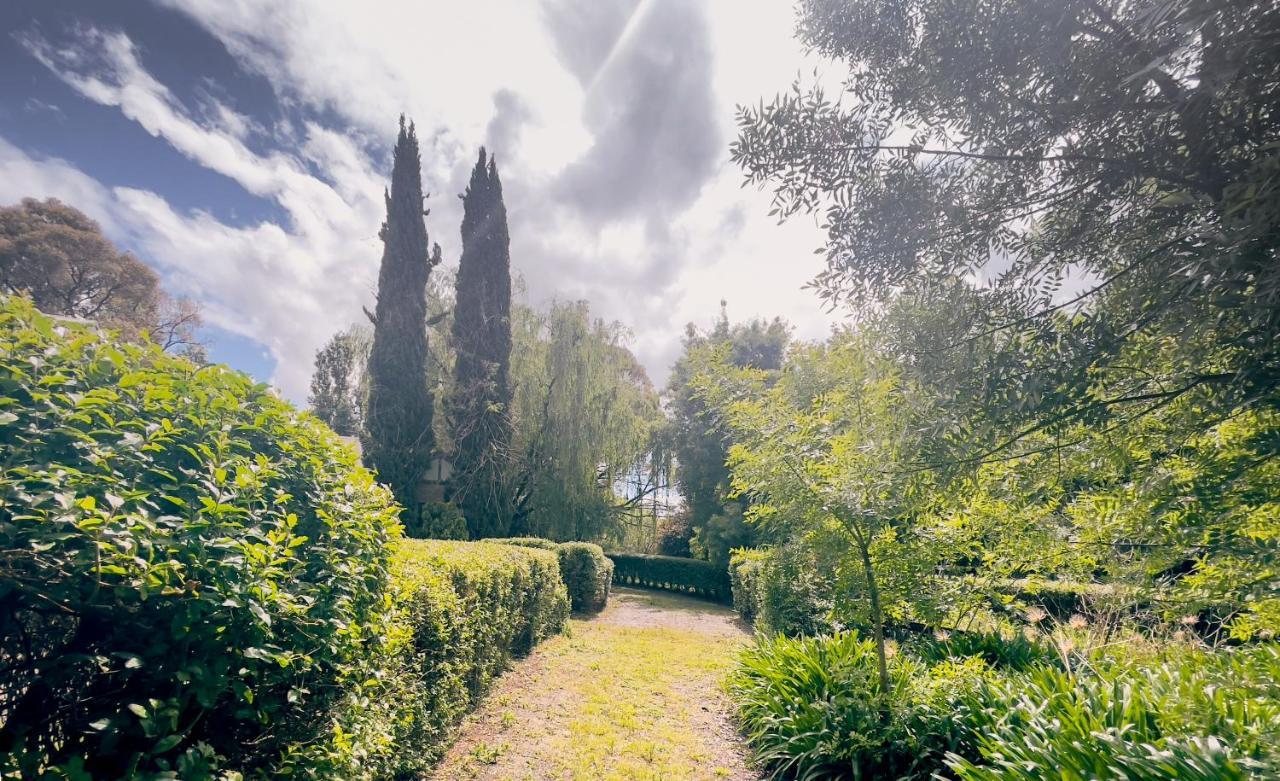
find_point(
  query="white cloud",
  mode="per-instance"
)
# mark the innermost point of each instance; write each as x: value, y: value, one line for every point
x: 481, y: 71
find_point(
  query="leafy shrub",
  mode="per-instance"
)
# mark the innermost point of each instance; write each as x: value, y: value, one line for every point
x: 438, y: 521
x: 674, y: 534
x: 469, y: 607
x: 587, y: 573
x: 746, y: 571
x: 674, y: 574
x: 194, y: 579
x: 812, y: 708
x: 1199, y: 716
x: 527, y: 542
x: 1015, y: 653
x: 797, y: 586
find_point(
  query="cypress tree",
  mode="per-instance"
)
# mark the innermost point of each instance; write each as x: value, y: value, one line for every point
x: 398, y: 424
x: 481, y: 403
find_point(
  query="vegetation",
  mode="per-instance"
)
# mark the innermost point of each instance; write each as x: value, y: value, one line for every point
x: 480, y: 401
x: 467, y: 608
x: 195, y: 575
x: 59, y: 258
x: 688, y: 576
x: 398, y: 422
x: 339, y: 387
x: 586, y: 571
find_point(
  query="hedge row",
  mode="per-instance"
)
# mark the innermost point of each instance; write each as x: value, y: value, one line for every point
x: 690, y: 576
x: 197, y: 580
x: 587, y: 572
x: 469, y: 607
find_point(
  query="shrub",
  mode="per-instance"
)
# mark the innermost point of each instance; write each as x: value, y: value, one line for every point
x: 674, y: 534
x: 438, y: 521
x: 469, y: 607
x: 587, y: 572
x: 671, y: 573
x: 797, y: 586
x: 1199, y: 716
x: 194, y: 578
x: 746, y: 571
x: 812, y: 708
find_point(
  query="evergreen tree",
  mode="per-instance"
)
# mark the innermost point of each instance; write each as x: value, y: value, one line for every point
x: 333, y: 393
x: 481, y: 400
x: 398, y: 423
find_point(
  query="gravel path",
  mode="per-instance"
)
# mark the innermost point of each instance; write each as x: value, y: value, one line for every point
x: 633, y: 694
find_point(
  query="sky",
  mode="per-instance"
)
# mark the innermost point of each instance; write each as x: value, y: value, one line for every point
x: 241, y: 147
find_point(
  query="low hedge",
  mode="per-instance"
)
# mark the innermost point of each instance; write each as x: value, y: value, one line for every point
x: 689, y: 576
x: 468, y: 607
x: 746, y: 578
x: 195, y: 575
x: 587, y: 572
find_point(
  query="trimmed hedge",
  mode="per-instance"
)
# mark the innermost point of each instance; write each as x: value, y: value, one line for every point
x: 195, y: 575
x: 688, y: 576
x: 469, y: 607
x: 746, y: 578
x: 587, y: 572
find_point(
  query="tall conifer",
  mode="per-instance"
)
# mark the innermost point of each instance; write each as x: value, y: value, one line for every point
x: 399, y: 435
x: 481, y: 405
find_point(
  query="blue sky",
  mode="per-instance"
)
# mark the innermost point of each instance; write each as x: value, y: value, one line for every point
x: 241, y: 149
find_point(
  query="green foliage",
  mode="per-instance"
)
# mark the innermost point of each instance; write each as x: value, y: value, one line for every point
x: 722, y: 532
x: 438, y: 521
x: 587, y: 573
x: 399, y: 437
x: 480, y: 407
x: 746, y: 572
x: 1198, y: 715
x: 674, y: 535
x: 468, y: 607
x: 195, y: 574
x: 338, y: 382
x: 700, y: 442
x: 587, y: 418
x: 813, y: 708
x: 674, y: 574
x: 799, y: 590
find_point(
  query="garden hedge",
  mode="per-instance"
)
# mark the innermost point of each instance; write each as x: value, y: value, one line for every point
x: 469, y: 607
x: 689, y: 576
x: 194, y: 579
x: 587, y: 572
x: 746, y: 573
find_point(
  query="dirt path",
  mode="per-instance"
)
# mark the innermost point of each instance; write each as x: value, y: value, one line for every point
x: 631, y: 695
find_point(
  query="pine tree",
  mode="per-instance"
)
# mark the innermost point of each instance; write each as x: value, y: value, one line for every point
x: 481, y: 403
x: 398, y: 424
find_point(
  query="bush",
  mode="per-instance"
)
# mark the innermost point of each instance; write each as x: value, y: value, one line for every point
x: 438, y: 521
x: 671, y: 573
x: 194, y: 579
x: 797, y: 587
x: 674, y: 534
x: 587, y: 572
x: 746, y: 572
x: 1199, y: 716
x: 469, y: 607
x: 812, y: 708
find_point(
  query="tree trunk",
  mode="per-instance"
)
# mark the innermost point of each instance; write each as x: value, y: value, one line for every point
x: 877, y: 620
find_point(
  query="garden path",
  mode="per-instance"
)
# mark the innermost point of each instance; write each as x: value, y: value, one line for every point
x: 633, y: 694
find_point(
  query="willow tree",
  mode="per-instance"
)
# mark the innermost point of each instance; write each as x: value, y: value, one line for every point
x: 480, y: 399
x: 398, y: 425
x: 587, y: 419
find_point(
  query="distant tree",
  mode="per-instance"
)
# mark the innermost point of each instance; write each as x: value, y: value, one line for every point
x: 480, y: 402
x: 674, y: 534
x: 59, y: 257
x: 337, y: 385
x: 398, y: 427
x: 701, y: 443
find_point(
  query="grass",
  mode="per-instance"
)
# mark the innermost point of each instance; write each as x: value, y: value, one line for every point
x: 634, y: 695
